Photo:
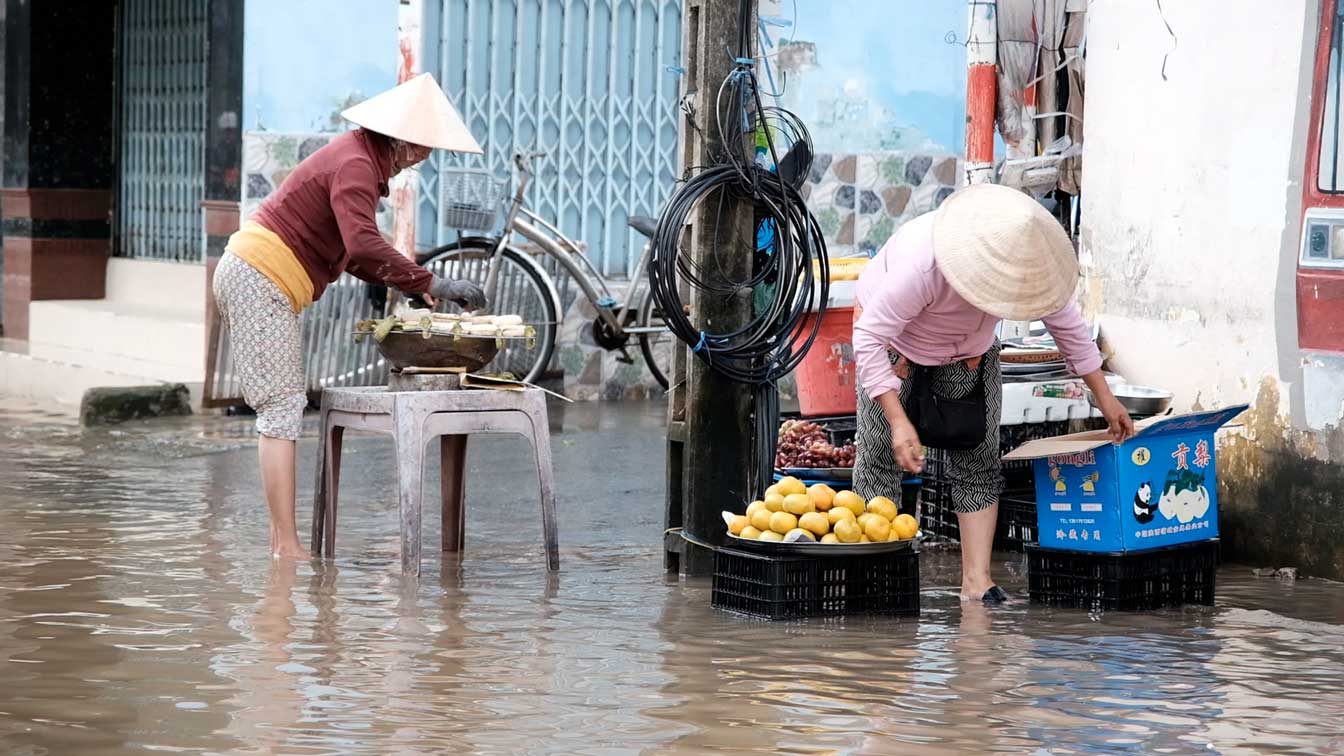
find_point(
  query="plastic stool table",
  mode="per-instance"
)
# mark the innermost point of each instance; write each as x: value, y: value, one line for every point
x: 413, y: 419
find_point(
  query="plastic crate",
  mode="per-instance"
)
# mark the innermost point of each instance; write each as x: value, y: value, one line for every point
x: 1016, y: 524
x: 796, y: 587
x: 1017, y: 504
x: 1124, y: 581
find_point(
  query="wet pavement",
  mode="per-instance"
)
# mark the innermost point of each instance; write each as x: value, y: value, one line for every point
x: 139, y: 612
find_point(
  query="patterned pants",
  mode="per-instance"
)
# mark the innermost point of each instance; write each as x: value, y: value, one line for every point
x: 263, y: 332
x: 974, y: 476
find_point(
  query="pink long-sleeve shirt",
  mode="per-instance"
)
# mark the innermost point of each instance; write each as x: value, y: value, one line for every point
x: 907, y: 305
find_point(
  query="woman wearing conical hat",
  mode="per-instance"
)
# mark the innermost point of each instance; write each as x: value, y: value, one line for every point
x: 317, y: 225
x: 928, y: 361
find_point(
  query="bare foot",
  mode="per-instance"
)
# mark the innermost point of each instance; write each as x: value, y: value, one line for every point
x: 290, y: 551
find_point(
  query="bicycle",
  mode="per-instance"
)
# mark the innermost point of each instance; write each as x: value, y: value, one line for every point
x: 515, y: 282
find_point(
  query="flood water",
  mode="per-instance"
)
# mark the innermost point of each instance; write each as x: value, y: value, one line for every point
x: 140, y: 613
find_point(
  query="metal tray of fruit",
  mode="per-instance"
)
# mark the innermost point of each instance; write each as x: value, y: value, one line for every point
x: 819, y: 473
x: 812, y: 548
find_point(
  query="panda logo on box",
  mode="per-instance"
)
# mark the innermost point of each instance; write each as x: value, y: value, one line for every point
x: 1144, y: 507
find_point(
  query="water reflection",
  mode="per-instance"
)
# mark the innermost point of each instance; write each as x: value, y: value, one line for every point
x: 138, y: 612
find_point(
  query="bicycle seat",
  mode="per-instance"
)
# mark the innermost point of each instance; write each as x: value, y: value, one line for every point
x: 644, y: 224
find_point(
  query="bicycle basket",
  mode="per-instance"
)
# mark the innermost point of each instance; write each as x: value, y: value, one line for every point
x: 469, y: 199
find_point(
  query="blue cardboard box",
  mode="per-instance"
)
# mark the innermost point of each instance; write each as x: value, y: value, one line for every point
x: 1159, y: 488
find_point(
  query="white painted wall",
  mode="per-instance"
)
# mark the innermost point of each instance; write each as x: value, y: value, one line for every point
x: 1192, y: 194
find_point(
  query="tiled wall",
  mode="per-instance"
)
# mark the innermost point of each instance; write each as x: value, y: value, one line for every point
x: 861, y: 199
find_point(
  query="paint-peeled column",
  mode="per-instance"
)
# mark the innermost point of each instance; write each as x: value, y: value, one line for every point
x: 981, y: 87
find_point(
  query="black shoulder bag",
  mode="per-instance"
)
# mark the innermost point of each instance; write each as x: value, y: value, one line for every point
x: 942, y: 423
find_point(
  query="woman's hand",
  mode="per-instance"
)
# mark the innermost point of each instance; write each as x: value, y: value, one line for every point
x: 1121, y: 425
x: 905, y: 445
x: 465, y: 293
x: 906, y: 448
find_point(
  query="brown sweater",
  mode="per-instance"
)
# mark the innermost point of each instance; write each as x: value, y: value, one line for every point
x: 324, y: 212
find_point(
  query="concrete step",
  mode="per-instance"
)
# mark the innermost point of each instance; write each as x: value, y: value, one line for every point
x: 154, y: 341
x: 54, y: 382
x: 148, y: 282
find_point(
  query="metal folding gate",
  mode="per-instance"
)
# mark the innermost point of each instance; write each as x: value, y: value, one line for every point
x: 163, y: 114
x: 591, y: 83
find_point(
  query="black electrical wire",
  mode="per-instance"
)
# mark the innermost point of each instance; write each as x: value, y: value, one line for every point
x: 777, y: 337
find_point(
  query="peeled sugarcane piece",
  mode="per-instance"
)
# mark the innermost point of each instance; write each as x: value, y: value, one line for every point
x: 480, y: 329
x: 514, y: 331
x: 508, y: 320
x: 383, y: 328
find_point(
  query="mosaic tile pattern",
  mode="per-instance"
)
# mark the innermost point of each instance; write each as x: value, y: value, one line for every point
x: 860, y: 199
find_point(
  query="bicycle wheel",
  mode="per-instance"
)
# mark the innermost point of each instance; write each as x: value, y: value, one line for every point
x: 521, y: 289
x: 656, y: 346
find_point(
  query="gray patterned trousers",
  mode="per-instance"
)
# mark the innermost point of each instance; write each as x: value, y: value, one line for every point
x: 263, y: 332
x: 974, y: 476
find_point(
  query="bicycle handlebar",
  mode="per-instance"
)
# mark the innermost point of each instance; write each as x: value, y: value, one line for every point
x: 523, y: 160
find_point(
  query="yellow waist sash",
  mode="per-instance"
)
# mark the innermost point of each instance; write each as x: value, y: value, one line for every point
x: 259, y: 247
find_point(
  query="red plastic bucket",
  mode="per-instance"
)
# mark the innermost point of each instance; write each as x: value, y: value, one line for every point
x: 826, y: 376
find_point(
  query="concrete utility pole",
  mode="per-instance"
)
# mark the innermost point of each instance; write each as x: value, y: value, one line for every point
x: 709, y: 416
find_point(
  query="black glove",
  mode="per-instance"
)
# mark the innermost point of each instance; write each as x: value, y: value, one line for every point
x: 465, y: 294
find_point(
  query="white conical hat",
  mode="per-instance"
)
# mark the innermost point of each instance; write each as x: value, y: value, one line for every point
x: 415, y: 111
x: 1004, y: 253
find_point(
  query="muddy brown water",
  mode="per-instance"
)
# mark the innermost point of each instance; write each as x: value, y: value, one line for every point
x: 139, y: 614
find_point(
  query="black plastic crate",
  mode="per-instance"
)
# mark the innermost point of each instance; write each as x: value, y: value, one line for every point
x: 1017, y: 521
x: 1017, y: 504
x: 795, y: 587
x: 1017, y: 508
x: 1123, y: 581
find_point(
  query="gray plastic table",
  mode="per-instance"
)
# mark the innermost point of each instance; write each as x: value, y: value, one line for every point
x: 414, y: 419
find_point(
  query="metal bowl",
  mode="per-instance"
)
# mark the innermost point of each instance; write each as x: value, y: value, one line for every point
x: 1139, y: 400
x: 812, y: 548
x: 404, y: 349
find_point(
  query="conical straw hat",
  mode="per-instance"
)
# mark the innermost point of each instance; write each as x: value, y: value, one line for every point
x: 415, y: 111
x: 1004, y: 253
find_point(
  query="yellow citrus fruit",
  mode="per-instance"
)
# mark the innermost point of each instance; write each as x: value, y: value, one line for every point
x: 893, y: 533
x: 865, y: 539
x: 830, y: 538
x: 754, y: 506
x: 906, y: 525
x: 736, y: 525
x: 864, y: 518
x: 877, y: 529
x: 750, y: 533
x: 782, y: 522
x: 769, y: 535
x: 803, y: 535
x: 774, y: 502
x: 799, y: 504
x: 847, y: 531
x: 791, y: 485
x: 849, y: 500
x: 761, y: 519
x: 881, y: 505
x: 815, y: 522
x: 837, y: 514
x: 773, y: 490
x: 823, y: 496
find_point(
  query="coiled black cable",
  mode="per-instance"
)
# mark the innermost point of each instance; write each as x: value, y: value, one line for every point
x: 777, y: 337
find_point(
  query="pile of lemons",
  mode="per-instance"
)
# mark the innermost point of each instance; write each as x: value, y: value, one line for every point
x: 792, y: 511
